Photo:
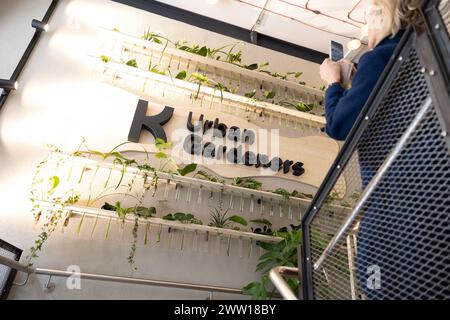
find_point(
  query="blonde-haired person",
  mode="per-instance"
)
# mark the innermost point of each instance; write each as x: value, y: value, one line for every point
x: 386, y: 21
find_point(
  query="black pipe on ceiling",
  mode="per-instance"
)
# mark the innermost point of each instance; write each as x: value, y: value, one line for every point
x: 226, y: 29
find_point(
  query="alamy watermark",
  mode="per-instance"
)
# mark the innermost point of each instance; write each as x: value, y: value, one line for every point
x: 73, y: 282
x: 373, y: 281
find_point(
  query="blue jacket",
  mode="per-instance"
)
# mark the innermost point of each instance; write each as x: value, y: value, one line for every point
x: 342, y: 107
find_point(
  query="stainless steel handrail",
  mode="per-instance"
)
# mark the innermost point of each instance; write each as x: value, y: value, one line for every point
x: 15, y: 265
x: 277, y: 275
x: 101, y: 277
x: 374, y: 182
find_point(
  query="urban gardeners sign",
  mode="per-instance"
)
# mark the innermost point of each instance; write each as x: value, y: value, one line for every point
x: 229, y: 143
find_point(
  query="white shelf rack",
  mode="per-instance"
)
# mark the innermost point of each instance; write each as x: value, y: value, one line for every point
x: 108, y: 215
x: 204, y: 65
x: 244, y: 103
x: 188, y: 181
x: 297, y: 204
x: 139, y: 45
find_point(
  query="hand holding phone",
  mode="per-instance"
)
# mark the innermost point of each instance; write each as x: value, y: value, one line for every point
x: 336, y: 51
x: 337, y: 55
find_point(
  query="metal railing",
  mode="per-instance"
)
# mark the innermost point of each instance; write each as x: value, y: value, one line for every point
x: 277, y: 275
x: 394, y: 242
x: 111, y: 278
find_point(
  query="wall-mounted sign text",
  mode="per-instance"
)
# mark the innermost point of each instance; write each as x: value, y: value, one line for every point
x: 194, y: 143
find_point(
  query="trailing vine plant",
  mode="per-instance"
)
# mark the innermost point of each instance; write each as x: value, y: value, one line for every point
x: 49, y: 189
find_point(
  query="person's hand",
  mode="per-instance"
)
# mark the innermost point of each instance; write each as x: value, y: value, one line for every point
x: 330, y: 71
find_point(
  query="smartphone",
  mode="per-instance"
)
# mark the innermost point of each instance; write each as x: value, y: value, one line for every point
x: 336, y: 51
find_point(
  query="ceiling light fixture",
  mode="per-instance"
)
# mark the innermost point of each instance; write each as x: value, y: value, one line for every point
x: 353, y: 44
x: 39, y: 25
x: 9, y: 84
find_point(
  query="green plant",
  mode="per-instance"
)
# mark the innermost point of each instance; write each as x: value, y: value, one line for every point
x: 209, y: 177
x: 53, y: 216
x: 221, y: 88
x: 283, y: 192
x: 48, y: 189
x: 195, y: 49
x: 264, y: 227
x: 269, y: 94
x: 153, y: 37
x: 248, y: 183
x: 225, y: 53
x: 220, y: 219
x: 183, y: 218
x: 304, y: 107
x: 200, y: 79
x: 118, y: 158
x: 157, y: 71
x: 132, y: 63
x: 181, y: 75
x: 301, y: 195
x: 283, y: 253
x: 166, y: 162
x: 45, y: 189
x: 105, y: 59
x: 138, y: 212
x: 251, y: 94
x: 252, y: 66
x: 234, y: 58
x: 300, y: 106
x: 205, y: 51
x: 187, y: 169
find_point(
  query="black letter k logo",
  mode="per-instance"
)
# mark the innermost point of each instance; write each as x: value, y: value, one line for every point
x: 151, y: 123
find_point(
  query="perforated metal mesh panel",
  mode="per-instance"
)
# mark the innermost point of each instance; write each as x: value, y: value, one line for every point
x: 397, y: 244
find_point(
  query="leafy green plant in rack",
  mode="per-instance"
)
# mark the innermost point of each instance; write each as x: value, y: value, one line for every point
x: 183, y: 218
x: 229, y: 56
x: 205, y: 51
x: 208, y: 177
x: 44, y: 188
x: 264, y: 226
x: 200, y: 79
x: 300, y: 106
x: 248, y: 183
x: 122, y: 213
x: 153, y: 37
x: 219, y: 217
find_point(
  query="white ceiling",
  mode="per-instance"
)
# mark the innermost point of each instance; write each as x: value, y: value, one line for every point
x: 287, y: 19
